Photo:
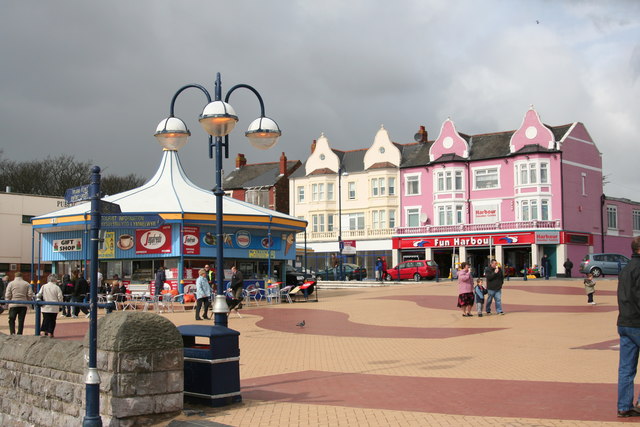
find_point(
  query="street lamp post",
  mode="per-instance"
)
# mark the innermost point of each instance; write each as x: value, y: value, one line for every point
x: 340, y: 242
x: 218, y: 119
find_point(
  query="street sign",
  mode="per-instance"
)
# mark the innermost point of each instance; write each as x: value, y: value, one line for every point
x: 109, y: 208
x: 131, y: 221
x: 77, y: 194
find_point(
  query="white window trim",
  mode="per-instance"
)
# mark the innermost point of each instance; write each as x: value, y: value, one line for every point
x: 453, y: 171
x: 539, y: 200
x: 436, y: 211
x: 406, y: 183
x: 614, y: 208
x: 537, y: 162
x: 479, y: 168
x: 406, y: 215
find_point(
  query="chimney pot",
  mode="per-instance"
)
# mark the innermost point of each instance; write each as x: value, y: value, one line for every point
x: 240, y: 161
x: 283, y: 164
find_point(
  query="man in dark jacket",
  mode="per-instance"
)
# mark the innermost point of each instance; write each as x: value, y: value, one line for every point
x: 629, y: 331
x: 237, y: 286
x: 495, y: 278
x: 159, y: 282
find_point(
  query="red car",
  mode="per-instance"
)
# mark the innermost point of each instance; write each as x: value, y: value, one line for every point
x: 414, y: 269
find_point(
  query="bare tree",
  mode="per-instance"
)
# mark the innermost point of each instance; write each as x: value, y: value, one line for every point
x: 54, y: 175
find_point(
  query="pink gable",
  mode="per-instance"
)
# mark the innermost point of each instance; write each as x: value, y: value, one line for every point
x: 532, y: 131
x: 448, y: 142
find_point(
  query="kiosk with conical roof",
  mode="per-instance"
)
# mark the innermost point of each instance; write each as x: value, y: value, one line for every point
x: 169, y: 221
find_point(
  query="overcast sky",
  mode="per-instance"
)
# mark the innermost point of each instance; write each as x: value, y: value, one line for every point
x: 93, y: 79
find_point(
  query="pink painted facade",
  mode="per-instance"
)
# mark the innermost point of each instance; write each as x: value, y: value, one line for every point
x: 540, y: 185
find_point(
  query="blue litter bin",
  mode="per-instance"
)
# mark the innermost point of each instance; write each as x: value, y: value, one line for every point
x: 211, y: 365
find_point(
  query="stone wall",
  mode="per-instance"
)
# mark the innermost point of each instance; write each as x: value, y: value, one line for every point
x: 140, y: 362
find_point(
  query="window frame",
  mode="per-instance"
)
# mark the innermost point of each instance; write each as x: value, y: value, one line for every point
x: 485, y: 170
x: 409, y: 180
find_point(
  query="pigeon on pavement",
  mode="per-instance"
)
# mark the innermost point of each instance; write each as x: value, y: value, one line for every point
x: 301, y: 324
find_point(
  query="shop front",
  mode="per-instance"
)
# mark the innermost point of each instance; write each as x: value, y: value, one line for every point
x: 169, y: 222
x: 514, y: 250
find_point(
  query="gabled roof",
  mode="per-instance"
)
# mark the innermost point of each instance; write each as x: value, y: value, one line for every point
x: 257, y: 175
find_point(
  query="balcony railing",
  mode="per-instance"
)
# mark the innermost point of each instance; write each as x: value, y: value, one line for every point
x: 382, y: 233
x: 470, y: 228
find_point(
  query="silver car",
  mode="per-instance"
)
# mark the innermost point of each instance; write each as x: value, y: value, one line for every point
x: 601, y: 264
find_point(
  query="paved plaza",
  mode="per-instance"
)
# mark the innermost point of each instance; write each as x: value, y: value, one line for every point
x: 404, y: 355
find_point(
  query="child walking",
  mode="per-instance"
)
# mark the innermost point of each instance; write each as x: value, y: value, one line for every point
x: 590, y: 288
x: 479, y: 291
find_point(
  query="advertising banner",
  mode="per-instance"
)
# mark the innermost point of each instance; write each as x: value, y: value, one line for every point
x: 467, y: 240
x: 156, y: 241
x: 191, y: 240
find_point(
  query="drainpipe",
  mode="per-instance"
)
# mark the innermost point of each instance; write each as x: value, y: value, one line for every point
x: 602, y: 201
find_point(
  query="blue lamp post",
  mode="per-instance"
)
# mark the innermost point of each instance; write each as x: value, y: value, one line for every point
x: 218, y: 119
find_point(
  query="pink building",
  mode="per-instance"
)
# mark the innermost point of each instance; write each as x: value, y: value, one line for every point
x: 513, y: 196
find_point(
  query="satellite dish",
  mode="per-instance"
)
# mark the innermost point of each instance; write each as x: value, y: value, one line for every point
x: 417, y: 137
x: 423, y: 217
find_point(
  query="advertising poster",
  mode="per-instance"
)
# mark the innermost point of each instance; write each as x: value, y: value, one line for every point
x: 106, y: 249
x: 191, y: 240
x: 156, y: 241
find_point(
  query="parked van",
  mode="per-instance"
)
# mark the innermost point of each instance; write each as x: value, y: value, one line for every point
x: 601, y: 264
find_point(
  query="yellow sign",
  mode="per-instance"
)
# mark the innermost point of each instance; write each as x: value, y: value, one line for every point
x: 260, y: 253
x: 106, y: 249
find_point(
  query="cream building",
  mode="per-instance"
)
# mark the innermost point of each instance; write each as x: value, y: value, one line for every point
x: 19, y: 244
x: 366, y: 193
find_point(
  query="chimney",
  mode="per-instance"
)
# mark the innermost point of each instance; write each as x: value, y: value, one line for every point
x: 313, y: 146
x: 283, y: 164
x: 240, y: 161
x: 421, y: 136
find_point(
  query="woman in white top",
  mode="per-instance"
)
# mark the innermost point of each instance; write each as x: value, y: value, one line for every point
x: 51, y: 292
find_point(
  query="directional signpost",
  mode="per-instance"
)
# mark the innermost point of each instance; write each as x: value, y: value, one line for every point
x: 77, y: 194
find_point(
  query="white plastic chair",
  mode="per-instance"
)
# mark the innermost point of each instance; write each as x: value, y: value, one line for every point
x: 252, y: 293
x: 284, y: 293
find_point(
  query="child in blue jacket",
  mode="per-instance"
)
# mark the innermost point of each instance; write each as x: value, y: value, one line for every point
x: 479, y: 291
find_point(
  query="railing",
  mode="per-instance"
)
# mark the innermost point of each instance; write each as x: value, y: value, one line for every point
x: 466, y: 228
x: 369, y: 233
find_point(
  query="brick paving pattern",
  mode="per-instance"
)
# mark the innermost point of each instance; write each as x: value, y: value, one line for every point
x: 404, y: 355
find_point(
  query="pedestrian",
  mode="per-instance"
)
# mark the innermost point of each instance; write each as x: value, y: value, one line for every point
x: 211, y: 277
x: 237, y: 286
x: 80, y: 290
x: 50, y: 292
x: 568, y: 265
x: 203, y: 293
x: 379, y: 277
x: 465, y: 289
x: 3, y: 287
x: 67, y: 293
x: 479, y: 292
x: 590, y: 288
x: 18, y: 290
x: 495, y: 278
x: 629, y: 330
x: 384, y: 268
x: 159, y: 282
x: 545, y: 262
x: 101, y: 288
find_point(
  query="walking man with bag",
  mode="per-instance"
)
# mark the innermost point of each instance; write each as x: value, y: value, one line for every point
x: 18, y: 290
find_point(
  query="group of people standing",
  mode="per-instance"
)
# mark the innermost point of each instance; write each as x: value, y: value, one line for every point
x: 206, y: 287
x: 468, y: 294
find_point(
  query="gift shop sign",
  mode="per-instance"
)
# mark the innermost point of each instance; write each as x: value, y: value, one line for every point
x: 156, y: 241
x: 67, y: 245
x: 191, y: 240
x: 464, y: 240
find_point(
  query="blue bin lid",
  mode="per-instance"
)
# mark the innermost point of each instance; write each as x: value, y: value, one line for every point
x: 206, y: 331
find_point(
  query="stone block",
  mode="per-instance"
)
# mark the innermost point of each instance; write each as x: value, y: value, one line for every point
x: 135, y: 362
x: 169, y: 403
x: 132, y: 406
x: 168, y: 360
